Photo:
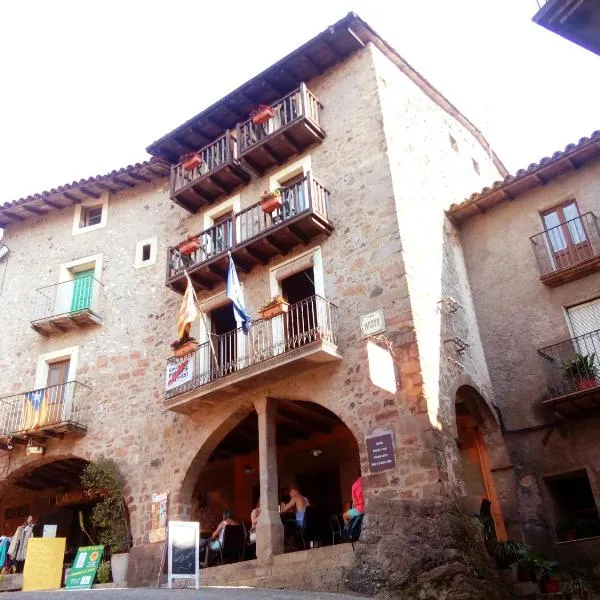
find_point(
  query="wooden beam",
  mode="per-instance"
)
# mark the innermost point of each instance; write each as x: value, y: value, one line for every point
x: 276, y: 157
x: 288, y: 138
x: 276, y: 244
x: 308, y: 422
x: 159, y: 173
x: 314, y: 63
x: 217, y: 271
x: 73, y: 199
x: 184, y: 143
x: 52, y: 203
x: 90, y: 193
x: 122, y: 182
x: 217, y: 184
x: 240, y: 116
x: 360, y: 42
x: 261, y: 259
x: 282, y: 419
x: 294, y: 407
x: 333, y: 49
x: 34, y: 210
x: 108, y: 188
x: 139, y: 177
x: 12, y: 216
x: 298, y: 234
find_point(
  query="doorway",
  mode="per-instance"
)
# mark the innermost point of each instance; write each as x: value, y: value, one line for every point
x: 301, y: 323
x: 224, y: 331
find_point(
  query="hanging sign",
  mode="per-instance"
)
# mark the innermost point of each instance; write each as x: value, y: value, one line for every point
x: 43, y: 564
x: 158, y: 532
x: 83, y: 571
x: 184, y: 553
x: 380, y: 450
x: 372, y: 323
x: 179, y: 372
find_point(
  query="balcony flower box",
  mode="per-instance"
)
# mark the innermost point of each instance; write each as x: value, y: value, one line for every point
x: 184, y: 346
x: 582, y: 371
x: 586, y: 384
x: 271, y: 201
x: 191, y: 161
x: 262, y: 114
x: 189, y: 246
x: 274, y: 307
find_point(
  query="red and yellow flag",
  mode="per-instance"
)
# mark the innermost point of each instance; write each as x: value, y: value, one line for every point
x: 188, y: 311
x: 35, y: 409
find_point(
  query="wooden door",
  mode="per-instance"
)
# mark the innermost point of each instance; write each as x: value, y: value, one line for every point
x: 58, y: 376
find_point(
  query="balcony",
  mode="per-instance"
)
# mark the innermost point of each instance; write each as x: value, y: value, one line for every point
x: 575, y: 20
x: 218, y: 174
x: 48, y: 412
x: 293, y: 127
x: 573, y: 375
x: 64, y: 306
x: 253, y: 236
x: 232, y: 363
x: 569, y: 251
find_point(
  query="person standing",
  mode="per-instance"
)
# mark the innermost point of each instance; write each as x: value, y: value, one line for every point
x: 358, y: 502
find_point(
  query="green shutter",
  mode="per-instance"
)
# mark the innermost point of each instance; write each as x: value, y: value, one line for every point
x: 82, y: 290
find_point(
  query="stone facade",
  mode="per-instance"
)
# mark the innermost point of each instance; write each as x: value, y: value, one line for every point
x: 389, y: 163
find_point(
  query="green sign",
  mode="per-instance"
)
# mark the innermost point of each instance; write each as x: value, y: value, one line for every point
x: 83, y: 571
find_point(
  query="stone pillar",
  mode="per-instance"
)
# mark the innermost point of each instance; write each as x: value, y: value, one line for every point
x: 269, y: 530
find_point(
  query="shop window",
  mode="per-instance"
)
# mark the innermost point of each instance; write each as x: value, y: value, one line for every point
x: 574, y: 506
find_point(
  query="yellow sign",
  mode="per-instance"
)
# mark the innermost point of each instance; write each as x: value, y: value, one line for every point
x: 43, y: 564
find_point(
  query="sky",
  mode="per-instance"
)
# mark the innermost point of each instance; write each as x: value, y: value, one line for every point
x: 86, y: 86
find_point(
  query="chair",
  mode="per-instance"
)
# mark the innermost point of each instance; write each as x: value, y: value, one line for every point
x: 233, y: 544
x: 352, y: 530
x: 310, y: 530
x: 336, y: 528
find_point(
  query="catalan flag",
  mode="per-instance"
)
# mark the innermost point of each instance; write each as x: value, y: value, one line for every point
x: 35, y: 409
x: 188, y: 311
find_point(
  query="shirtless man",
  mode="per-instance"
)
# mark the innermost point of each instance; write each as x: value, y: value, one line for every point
x: 297, y: 503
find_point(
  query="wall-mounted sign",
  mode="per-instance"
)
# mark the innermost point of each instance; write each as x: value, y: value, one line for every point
x: 184, y: 551
x: 381, y: 452
x: 372, y: 323
x: 75, y: 497
x: 179, y: 372
x: 158, y: 531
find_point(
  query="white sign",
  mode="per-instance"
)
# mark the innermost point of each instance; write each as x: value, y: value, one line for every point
x: 179, y: 372
x: 49, y: 531
x: 372, y: 323
x: 381, y: 368
x: 184, y: 551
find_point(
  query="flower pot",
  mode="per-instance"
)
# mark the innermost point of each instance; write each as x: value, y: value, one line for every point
x: 187, y: 348
x: 189, y: 246
x: 271, y: 203
x: 262, y: 115
x: 192, y: 163
x: 586, y: 383
x: 118, y: 565
x: 551, y: 586
x: 275, y: 310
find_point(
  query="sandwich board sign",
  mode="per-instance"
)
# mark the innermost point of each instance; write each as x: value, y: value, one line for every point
x: 83, y: 571
x: 184, y: 552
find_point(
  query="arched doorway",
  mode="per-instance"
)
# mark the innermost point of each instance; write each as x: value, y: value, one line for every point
x: 474, y: 423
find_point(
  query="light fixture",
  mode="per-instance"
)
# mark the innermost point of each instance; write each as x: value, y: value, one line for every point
x: 316, y: 452
x: 248, y: 469
x: 33, y: 448
x: 4, y: 250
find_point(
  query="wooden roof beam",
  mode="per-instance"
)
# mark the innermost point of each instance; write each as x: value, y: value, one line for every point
x: 90, y: 193
x: 12, y: 216
x: 108, y: 188
x: 73, y: 199
x: 139, y: 177
x: 123, y: 182
x: 34, y: 210
x: 52, y: 203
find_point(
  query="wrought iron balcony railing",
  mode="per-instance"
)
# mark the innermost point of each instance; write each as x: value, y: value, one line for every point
x: 312, y: 320
x: 56, y: 408
x: 567, y: 245
x: 67, y: 299
x: 573, y: 365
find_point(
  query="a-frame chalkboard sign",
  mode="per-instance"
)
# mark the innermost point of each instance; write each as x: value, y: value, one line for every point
x: 184, y: 556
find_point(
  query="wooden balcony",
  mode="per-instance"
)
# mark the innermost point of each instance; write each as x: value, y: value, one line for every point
x: 63, y: 306
x: 218, y: 174
x: 253, y: 236
x: 573, y: 385
x: 568, y: 251
x: 294, y: 127
x: 232, y: 363
x: 51, y: 412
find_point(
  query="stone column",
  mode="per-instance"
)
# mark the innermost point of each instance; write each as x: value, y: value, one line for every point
x: 269, y: 529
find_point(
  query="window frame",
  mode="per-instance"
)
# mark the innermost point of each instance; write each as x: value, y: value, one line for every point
x: 139, y: 262
x: 79, y: 213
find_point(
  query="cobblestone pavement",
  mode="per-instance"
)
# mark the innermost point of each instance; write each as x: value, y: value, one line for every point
x: 206, y: 593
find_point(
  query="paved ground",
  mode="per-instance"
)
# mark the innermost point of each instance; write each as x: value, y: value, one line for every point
x: 202, y: 594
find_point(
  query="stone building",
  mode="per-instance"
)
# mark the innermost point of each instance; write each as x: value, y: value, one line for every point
x: 531, y: 245
x: 367, y: 155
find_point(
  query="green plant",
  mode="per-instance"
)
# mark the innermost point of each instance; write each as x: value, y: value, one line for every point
x: 102, y: 478
x: 581, y: 366
x: 509, y: 552
x: 544, y: 567
x: 486, y: 526
x: 272, y: 302
x: 103, y: 572
x: 577, y: 585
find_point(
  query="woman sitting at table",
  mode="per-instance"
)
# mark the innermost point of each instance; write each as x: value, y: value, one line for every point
x: 216, y: 539
x: 297, y: 503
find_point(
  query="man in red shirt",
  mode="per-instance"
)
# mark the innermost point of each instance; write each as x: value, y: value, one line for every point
x: 358, y: 502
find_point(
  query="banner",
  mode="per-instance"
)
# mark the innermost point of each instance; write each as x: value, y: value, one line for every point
x: 179, y: 372
x: 158, y: 532
x: 83, y: 571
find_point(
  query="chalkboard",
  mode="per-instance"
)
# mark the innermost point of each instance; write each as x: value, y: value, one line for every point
x: 184, y: 537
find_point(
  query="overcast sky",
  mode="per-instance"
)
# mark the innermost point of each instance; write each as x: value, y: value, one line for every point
x: 87, y: 85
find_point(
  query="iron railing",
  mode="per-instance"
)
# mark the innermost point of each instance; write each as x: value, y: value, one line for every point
x: 222, y: 151
x: 305, y: 195
x: 567, y: 244
x: 301, y: 103
x: 67, y: 298
x: 42, y: 408
x: 573, y: 365
x: 312, y: 320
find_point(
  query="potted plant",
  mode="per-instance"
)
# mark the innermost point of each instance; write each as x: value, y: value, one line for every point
x: 103, y: 572
x: 274, y: 307
x: 102, y: 477
x: 184, y: 346
x: 582, y: 371
x: 262, y: 114
x: 271, y: 201
x: 191, y: 160
x: 544, y: 571
x: 189, y: 246
x: 510, y: 552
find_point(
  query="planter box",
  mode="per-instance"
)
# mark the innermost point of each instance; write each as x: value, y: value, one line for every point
x: 586, y: 384
x: 189, y: 246
x: 275, y: 311
x: 186, y: 349
x: 271, y: 203
x: 262, y: 115
x: 192, y: 163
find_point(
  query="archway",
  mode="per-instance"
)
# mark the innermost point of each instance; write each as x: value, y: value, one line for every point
x: 474, y: 425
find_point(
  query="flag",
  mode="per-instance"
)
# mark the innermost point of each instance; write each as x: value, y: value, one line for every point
x: 188, y: 311
x: 35, y: 409
x: 234, y: 293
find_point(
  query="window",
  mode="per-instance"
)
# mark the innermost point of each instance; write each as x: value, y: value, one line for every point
x: 145, y: 252
x: 584, y: 318
x: 476, y: 167
x: 573, y: 505
x: 80, y: 286
x: 453, y: 143
x: 90, y: 215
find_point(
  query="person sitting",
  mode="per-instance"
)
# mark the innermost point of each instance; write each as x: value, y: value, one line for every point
x: 297, y: 503
x: 253, y: 522
x: 216, y: 539
x: 358, y: 502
